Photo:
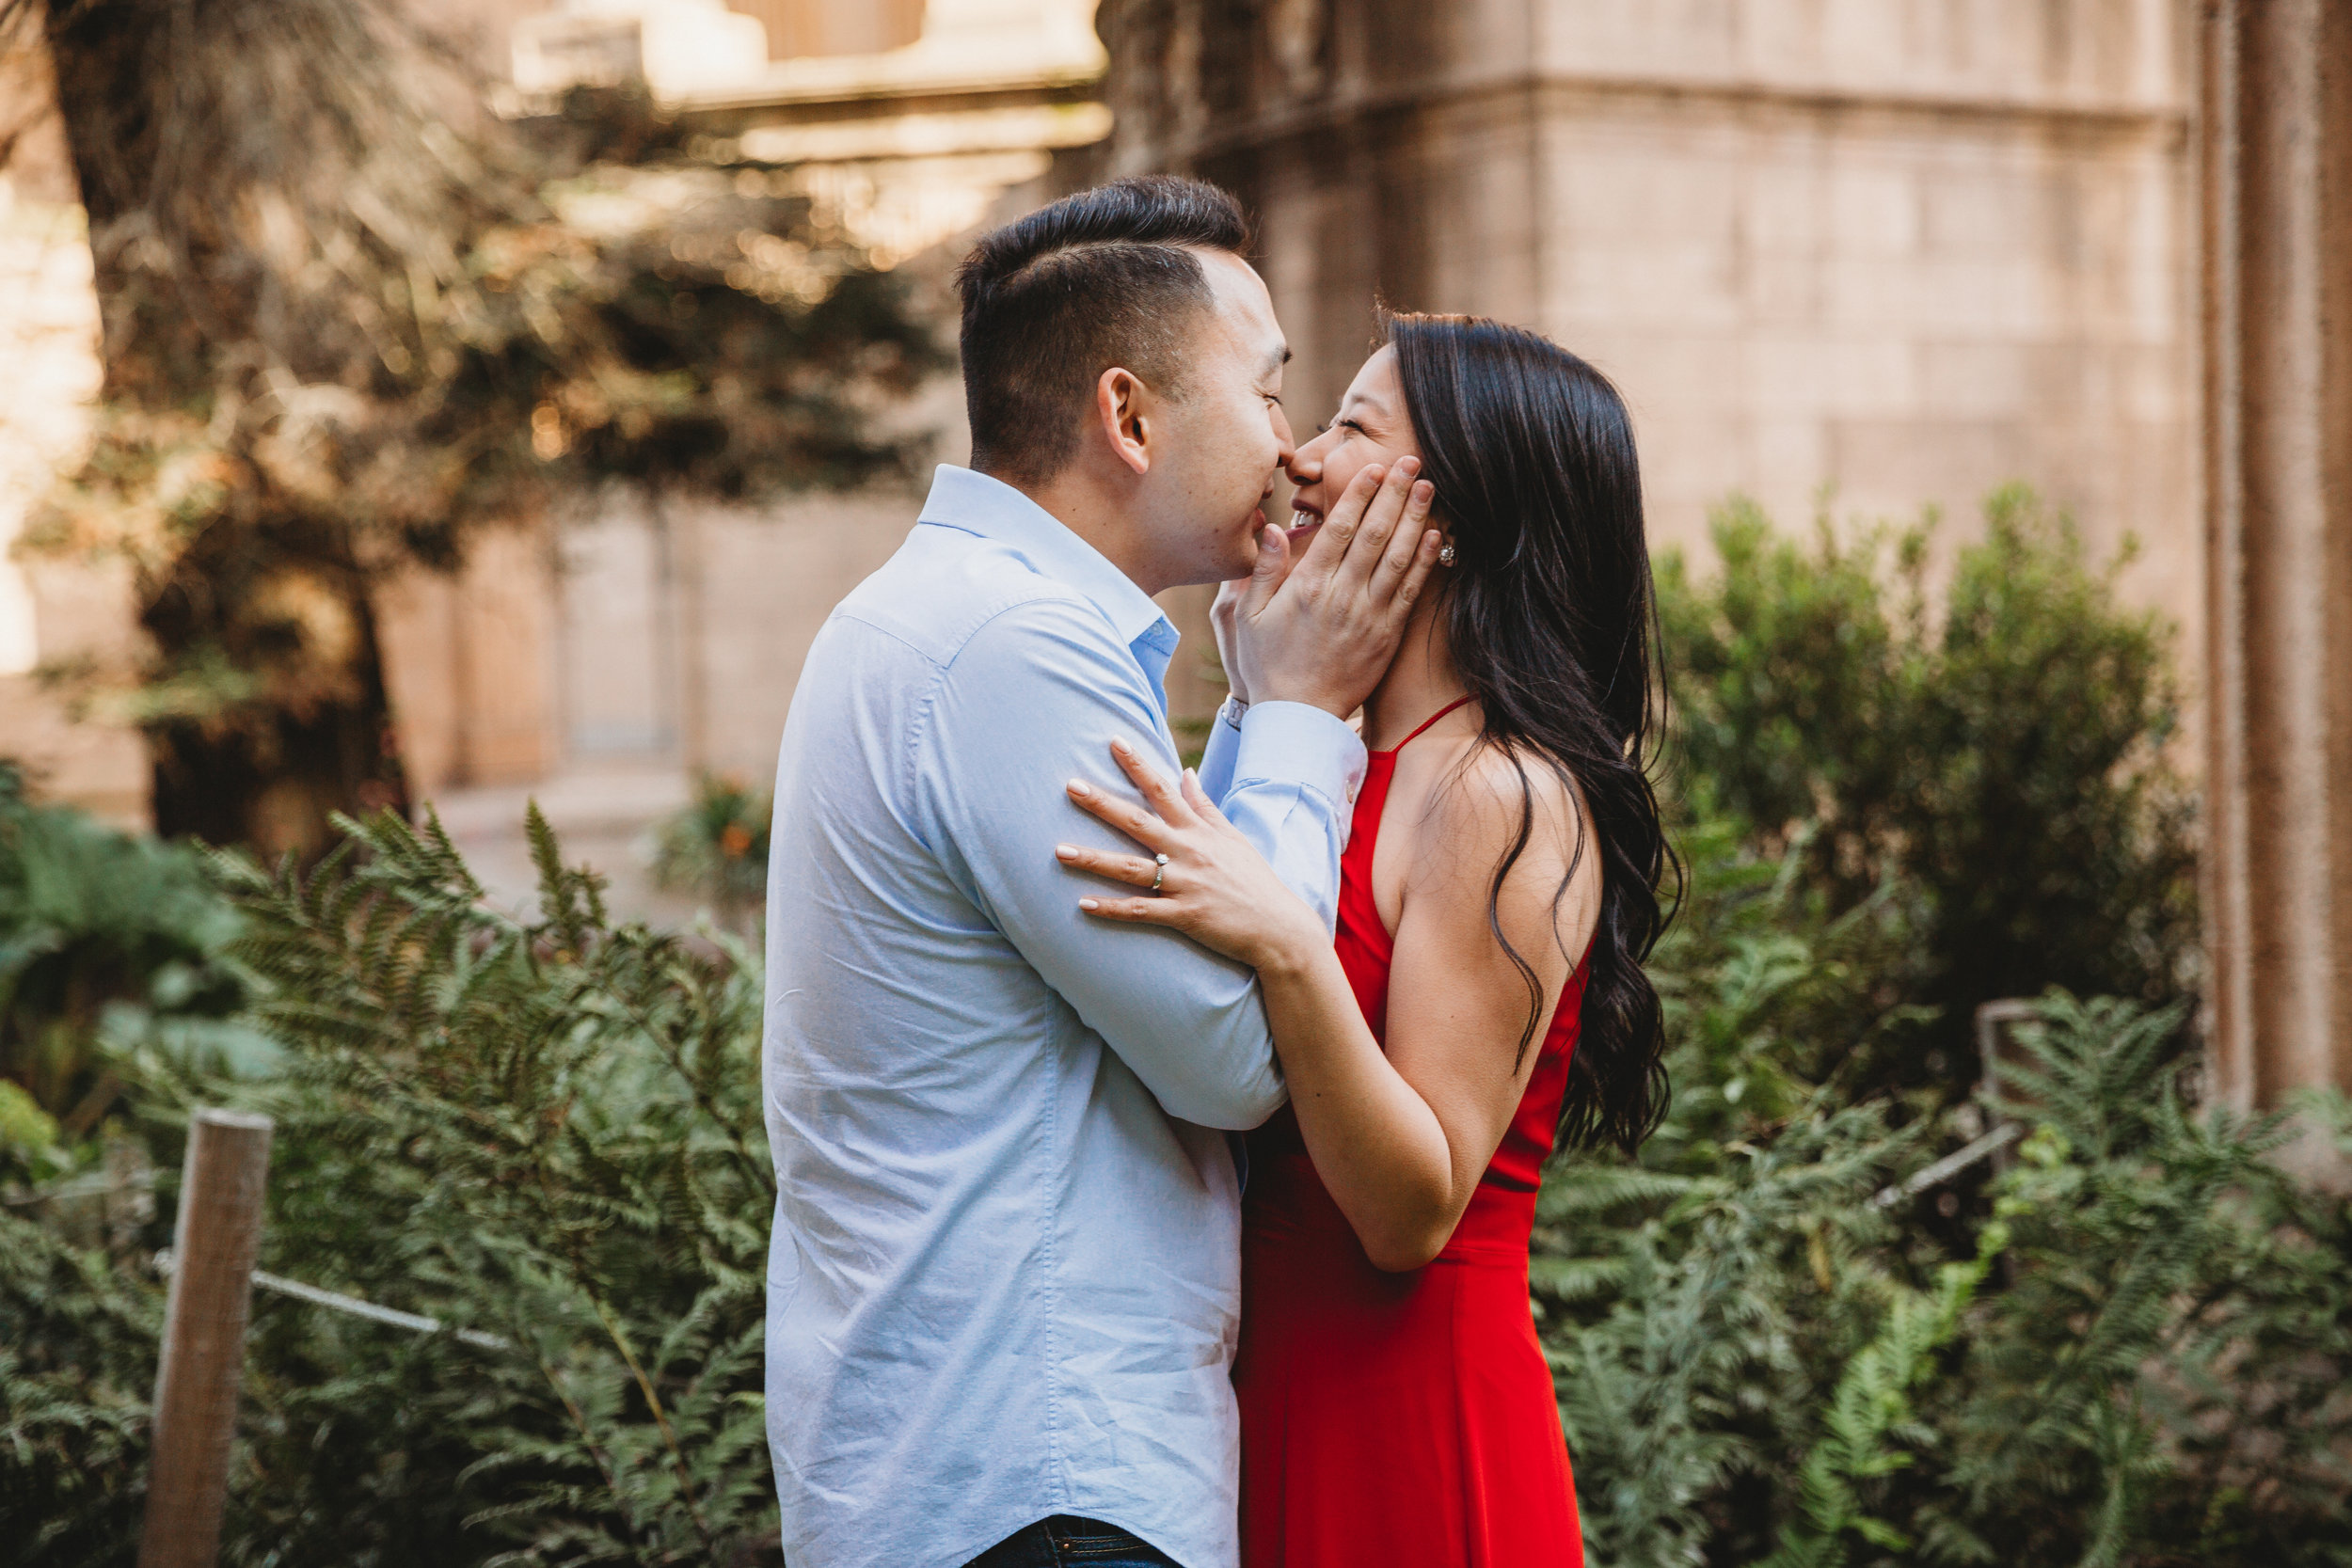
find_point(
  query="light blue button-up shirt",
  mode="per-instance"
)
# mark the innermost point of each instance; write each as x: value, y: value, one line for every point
x: 1004, y: 1281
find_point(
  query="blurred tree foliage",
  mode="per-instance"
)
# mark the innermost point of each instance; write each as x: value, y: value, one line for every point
x: 350, y: 316
x: 2000, y: 755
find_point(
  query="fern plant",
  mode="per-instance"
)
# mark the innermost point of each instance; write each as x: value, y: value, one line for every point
x: 2144, y: 1358
x: 2165, y: 1379
x: 1870, y: 1432
x: 544, y: 1130
x: 77, y: 1360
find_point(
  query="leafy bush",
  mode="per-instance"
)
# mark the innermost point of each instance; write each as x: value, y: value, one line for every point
x: 1761, y: 1364
x: 2004, y: 751
x: 547, y: 1133
x: 103, y: 934
x: 716, y: 845
x: 77, y: 1359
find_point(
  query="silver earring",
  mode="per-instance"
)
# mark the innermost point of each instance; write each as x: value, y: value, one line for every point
x: 1445, y: 555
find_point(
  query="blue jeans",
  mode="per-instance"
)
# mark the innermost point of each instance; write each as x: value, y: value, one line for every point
x: 1067, y: 1542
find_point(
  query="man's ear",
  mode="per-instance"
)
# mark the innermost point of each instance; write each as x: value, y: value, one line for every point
x: 1119, y: 403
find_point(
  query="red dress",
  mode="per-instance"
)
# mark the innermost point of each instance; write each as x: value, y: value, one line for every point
x: 1399, y: 1421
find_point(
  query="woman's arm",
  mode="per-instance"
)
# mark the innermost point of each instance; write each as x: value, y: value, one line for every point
x: 1457, y: 1006
x: 1401, y: 1137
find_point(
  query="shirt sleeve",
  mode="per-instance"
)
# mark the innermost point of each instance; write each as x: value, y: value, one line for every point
x: 1217, y: 756
x: 1296, y: 772
x: 1033, y: 700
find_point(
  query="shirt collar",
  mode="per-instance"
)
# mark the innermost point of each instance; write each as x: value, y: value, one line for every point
x: 971, y: 502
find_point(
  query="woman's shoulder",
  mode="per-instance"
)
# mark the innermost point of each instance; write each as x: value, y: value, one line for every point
x: 1482, y: 800
x: 1495, y: 809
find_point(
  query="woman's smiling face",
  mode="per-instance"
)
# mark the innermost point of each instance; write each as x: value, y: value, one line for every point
x: 1369, y: 427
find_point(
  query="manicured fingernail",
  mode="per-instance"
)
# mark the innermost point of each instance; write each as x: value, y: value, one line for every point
x: 1088, y: 903
x: 1423, y: 491
x: 1120, y: 746
x: 1066, y: 852
x: 1079, y: 786
x: 1408, y: 466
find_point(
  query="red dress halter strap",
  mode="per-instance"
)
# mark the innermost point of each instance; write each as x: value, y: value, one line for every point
x: 1423, y: 725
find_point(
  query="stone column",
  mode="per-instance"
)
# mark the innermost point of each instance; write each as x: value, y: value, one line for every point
x: 2278, y: 164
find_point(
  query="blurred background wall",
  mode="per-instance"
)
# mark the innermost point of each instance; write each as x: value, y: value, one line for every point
x: 1895, y: 253
x: 1888, y: 254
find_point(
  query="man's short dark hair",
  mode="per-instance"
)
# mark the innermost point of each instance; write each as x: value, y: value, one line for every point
x: 1107, y: 277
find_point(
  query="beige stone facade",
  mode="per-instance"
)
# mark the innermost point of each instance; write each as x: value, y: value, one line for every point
x: 657, y: 638
x: 1906, y: 250
x: 55, y: 616
x: 603, y: 658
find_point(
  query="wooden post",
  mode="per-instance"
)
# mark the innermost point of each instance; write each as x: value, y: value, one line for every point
x: 214, y: 1247
x: 1995, y: 1020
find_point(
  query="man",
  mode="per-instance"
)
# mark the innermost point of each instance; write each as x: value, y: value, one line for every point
x: 1004, y: 1279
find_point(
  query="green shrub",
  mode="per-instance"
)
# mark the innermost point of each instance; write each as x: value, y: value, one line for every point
x: 110, y: 943
x: 716, y: 846
x: 77, y: 1361
x: 1758, y: 1363
x: 547, y: 1133
x: 2004, y: 751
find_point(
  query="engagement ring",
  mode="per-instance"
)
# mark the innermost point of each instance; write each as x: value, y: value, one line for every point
x: 1161, y: 873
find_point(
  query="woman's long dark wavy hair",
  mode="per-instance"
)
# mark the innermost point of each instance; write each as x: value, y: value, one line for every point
x: 1550, y: 619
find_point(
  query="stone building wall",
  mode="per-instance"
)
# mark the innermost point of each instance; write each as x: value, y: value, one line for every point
x: 1909, y: 249
x: 55, y: 614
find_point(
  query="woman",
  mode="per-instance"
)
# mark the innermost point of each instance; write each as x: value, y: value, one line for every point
x: 1484, y: 992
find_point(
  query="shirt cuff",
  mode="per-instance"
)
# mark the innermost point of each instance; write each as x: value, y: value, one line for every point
x: 1297, y: 743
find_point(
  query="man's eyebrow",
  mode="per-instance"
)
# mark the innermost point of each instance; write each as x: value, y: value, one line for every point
x: 1275, y: 362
